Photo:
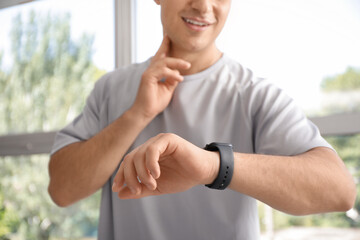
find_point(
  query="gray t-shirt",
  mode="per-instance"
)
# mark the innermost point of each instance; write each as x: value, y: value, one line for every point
x: 224, y: 103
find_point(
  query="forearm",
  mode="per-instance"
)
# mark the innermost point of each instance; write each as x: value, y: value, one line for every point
x: 313, y: 182
x: 80, y: 169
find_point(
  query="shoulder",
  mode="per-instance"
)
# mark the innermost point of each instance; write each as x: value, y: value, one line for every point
x: 122, y: 74
x: 257, y: 93
x: 247, y: 82
x: 244, y: 78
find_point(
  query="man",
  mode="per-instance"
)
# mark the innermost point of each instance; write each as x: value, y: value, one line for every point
x: 163, y: 112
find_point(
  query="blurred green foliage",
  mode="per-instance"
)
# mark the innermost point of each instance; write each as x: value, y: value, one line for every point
x: 50, y: 74
x: 347, y: 81
x: 43, y: 87
x: 341, y: 92
x: 8, y: 218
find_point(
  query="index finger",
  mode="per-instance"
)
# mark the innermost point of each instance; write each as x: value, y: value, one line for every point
x: 161, y: 146
x: 164, y: 48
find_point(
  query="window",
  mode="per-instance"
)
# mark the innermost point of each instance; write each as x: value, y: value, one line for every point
x: 51, y: 50
x: 51, y: 53
x: 148, y: 29
x: 302, y: 46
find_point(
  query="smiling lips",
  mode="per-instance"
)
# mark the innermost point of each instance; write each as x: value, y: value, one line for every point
x: 196, y: 24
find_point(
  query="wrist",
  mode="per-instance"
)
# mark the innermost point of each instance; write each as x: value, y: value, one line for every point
x: 136, y: 115
x: 226, y: 168
x: 214, y: 167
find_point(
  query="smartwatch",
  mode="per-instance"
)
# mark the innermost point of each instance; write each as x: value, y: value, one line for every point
x: 226, y: 164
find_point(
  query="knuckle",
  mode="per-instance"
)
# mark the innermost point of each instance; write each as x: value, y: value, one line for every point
x: 151, y: 147
x: 162, y: 134
x: 150, y: 154
x: 126, y: 160
x: 165, y: 69
x: 171, y: 73
x: 157, y: 63
x: 171, y: 135
x: 137, y: 160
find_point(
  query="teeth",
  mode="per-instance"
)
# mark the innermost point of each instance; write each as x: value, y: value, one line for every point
x: 195, y: 22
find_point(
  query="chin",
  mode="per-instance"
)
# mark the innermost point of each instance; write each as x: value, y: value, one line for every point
x: 190, y: 43
x: 194, y: 46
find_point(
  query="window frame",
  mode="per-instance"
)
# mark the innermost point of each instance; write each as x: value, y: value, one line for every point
x: 10, y: 3
x: 41, y: 142
x: 125, y: 52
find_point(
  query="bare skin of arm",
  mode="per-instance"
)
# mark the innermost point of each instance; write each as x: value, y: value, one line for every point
x: 80, y: 169
x: 316, y: 181
x: 313, y: 182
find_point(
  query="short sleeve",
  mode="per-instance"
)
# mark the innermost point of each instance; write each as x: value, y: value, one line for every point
x: 280, y: 126
x: 87, y: 124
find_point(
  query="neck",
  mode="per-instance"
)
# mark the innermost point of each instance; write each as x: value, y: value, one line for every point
x: 200, y: 60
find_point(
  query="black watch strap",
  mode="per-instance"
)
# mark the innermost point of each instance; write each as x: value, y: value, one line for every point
x: 226, y: 164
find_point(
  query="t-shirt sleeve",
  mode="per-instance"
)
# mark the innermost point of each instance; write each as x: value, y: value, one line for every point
x: 280, y: 126
x: 85, y: 125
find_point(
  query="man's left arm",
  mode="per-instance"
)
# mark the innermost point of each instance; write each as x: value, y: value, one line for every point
x: 316, y: 181
x: 312, y: 182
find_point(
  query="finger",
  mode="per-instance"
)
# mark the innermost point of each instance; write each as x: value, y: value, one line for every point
x: 177, y: 63
x: 118, y: 181
x: 143, y: 173
x: 152, y: 161
x: 161, y: 146
x: 164, y: 48
x: 172, y: 75
x: 170, y: 84
x: 130, y: 177
x: 168, y: 67
x: 125, y: 193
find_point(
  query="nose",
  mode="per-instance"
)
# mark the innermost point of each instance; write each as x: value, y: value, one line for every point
x: 203, y: 6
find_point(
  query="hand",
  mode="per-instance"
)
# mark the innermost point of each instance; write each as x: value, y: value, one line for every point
x: 159, y: 81
x: 164, y: 164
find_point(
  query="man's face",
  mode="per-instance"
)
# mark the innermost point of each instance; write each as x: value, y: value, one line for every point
x: 193, y: 25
